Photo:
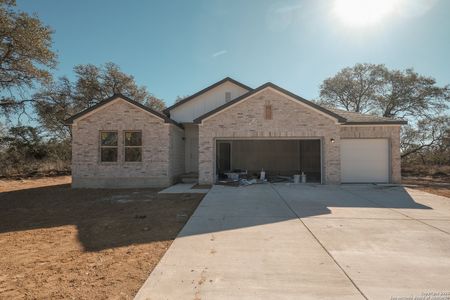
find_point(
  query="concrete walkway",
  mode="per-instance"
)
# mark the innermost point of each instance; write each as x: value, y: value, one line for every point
x: 183, y: 188
x: 308, y: 242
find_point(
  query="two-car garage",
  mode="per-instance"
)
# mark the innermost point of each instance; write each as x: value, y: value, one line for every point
x: 362, y: 160
x: 273, y: 129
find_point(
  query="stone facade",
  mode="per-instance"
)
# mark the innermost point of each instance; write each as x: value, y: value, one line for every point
x: 154, y: 170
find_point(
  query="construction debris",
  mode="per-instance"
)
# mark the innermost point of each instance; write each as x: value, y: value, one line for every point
x: 242, y: 178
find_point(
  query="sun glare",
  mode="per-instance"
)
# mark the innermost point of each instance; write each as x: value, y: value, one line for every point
x: 363, y: 12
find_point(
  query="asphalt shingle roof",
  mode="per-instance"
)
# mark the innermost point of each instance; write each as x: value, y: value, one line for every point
x: 343, y: 116
x: 355, y: 118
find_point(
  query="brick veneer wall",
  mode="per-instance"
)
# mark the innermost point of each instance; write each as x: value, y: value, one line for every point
x: 164, y: 148
x: 290, y: 119
x: 88, y: 171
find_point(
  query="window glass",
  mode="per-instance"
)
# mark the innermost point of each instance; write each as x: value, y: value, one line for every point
x: 133, y: 154
x: 133, y: 138
x: 133, y: 146
x: 109, y: 138
x: 109, y: 154
x: 108, y: 146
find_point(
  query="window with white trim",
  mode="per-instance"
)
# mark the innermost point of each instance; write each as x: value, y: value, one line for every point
x: 133, y: 146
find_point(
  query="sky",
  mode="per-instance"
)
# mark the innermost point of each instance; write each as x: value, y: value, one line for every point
x: 179, y: 47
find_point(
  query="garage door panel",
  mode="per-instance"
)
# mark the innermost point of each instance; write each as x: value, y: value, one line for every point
x: 364, y: 160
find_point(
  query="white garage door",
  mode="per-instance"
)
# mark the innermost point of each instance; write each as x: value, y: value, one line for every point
x: 364, y: 160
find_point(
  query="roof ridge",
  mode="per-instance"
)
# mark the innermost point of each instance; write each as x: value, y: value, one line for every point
x: 202, y: 91
x: 340, y: 118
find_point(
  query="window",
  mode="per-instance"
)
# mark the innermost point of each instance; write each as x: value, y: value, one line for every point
x: 133, y: 145
x: 227, y: 96
x: 108, y: 146
x: 268, y: 112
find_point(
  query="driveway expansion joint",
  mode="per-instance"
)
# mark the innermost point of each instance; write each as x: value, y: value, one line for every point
x: 318, y: 241
x: 405, y: 215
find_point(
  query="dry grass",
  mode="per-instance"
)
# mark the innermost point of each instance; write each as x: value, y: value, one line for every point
x: 56, y: 242
x: 438, y: 186
x: 35, y: 169
x: 425, y: 171
x: 29, y: 183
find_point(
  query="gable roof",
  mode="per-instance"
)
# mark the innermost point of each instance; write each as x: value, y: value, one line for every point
x: 162, y: 116
x: 338, y: 117
x: 226, y: 79
x: 342, y: 116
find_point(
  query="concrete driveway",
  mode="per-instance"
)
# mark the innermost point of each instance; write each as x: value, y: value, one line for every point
x: 278, y: 241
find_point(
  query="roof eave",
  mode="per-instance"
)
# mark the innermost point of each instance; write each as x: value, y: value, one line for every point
x: 394, y: 122
x: 160, y: 115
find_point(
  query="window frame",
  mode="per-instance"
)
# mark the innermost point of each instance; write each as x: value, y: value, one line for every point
x: 110, y: 147
x: 125, y: 146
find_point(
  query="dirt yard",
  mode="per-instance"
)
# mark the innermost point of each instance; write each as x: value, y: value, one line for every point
x: 57, y: 243
x: 438, y: 186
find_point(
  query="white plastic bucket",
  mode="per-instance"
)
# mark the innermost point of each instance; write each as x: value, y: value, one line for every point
x: 262, y: 175
x: 303, y: 178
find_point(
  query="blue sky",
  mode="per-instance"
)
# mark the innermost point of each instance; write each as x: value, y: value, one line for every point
x: 179, y: 47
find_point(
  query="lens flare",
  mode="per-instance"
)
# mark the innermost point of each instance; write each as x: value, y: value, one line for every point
x: 363, y: 12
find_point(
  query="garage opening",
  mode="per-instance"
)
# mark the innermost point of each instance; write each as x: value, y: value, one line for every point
x: 278, y: 158
x: 364, y: 160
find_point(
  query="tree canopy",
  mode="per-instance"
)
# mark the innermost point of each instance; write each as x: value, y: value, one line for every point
x: 369, y: 88
x: 62, y: 98
x: 26, y: 57
x: 374, y: 89
x: 352, y: 88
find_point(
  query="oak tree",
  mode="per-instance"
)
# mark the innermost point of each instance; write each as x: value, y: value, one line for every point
x: 26, y: 57
x: 62, y: 98
x: 375, y: 89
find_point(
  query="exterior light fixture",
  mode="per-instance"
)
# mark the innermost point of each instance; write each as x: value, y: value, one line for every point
x: 332, y: 140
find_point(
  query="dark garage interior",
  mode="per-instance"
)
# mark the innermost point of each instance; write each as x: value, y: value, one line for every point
x: 276, y: 157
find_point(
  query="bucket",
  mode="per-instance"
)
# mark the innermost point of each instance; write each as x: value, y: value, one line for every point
x: 296, y: 178
x: 303, y: 177
x: 262, y: 175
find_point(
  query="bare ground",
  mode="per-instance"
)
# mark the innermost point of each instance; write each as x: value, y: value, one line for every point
x: 438, y: 186
x: 56, y: 242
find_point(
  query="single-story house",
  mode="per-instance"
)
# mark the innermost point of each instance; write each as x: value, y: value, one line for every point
x: 230, y: 126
